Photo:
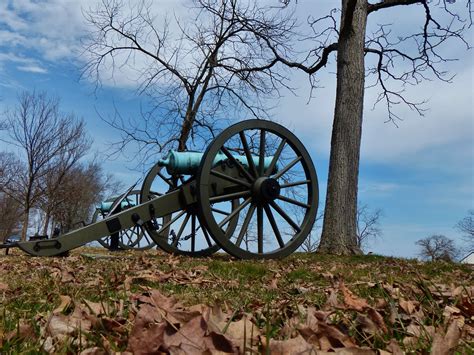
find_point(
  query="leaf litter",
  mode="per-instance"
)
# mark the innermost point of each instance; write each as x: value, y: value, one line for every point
x: 149, y: 303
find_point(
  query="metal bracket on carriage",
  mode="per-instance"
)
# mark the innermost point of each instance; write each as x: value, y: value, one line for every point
x: 47, y: 244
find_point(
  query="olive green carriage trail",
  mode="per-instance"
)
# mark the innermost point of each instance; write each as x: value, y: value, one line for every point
x: 217, y: 199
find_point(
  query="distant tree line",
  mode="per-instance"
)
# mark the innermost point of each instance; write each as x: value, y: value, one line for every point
x: 42, y: 172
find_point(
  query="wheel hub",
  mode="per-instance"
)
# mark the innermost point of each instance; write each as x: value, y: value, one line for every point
x: 266, y: 189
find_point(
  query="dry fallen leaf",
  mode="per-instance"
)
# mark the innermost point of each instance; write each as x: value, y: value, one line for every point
x: 23, y: 332
x: 445, y: 343
x: 65, y: 303
x: 352, y: 301
x: 93, y: 351
x: 296, y: 345
x: 408, y: 307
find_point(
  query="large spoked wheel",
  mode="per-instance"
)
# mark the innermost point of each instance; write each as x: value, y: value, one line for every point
x: 181, y: 232
x: 134, y: 238
x: 277, y: 189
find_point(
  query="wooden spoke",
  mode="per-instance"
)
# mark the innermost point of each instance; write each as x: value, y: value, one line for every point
x: 245, y: 225
x: 275, y: 157
x: 261, y: 157
x: 260, y: 229
x: 235, y: 212
x: 193, y: 231
x: 165, y: 179
x: 229, y: 197
x: 294, y: 202
x: 286, y: 168
x: 206, y: 236
x: 229, y: 178
x: 248, y: 154
x: 181, y: 230
x: 147, y: 237
x: 296, y: 183
x: 220, y: 211
x: 237, y: 163
x: 285, y: 216
x: 170, y: 222
x: 273, y: 223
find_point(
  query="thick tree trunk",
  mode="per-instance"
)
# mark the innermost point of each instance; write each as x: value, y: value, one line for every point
x: 339, y: 230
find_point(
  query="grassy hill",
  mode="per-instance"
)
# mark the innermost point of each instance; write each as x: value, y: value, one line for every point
x: 99, y: 302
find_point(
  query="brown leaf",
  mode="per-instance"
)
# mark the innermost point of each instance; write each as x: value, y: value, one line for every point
x: 243, y: 333
x: 327, y: 336
x: 352, y: 351
x: 97, y: 308
x: 296, y: 345
x: 366, y: 324
x: 93, y: 351
x: 147, y: 332
x: 444, y: 344
x: 193, y: 337
x: 352, y: 301
x: 332, y: 301
x: 273, y: 284
x: 23, y: 332
x: 380, y: 303
x: 377, y: 318
x: 394, y: 348
x: 114, y: 325
x: 65, y: 303
x: 408, y: 307
x: 466, y: 307
x: 418, y: 331
x: 3, y: 287
x: 60, y: 325
x: 147, y: 339
x: 67, y: 276
x: 394, y: 292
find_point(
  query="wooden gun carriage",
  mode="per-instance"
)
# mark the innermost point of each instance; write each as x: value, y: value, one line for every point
x: 253, y: 193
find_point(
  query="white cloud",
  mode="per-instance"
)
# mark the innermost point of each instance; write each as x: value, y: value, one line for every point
x: 32, y: 69
x: 54, y: 28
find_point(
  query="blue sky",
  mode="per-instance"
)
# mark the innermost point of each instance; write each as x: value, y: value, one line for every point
x: 421, y: 173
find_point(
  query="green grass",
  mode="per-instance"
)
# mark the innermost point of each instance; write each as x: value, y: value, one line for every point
x: 272, y: 292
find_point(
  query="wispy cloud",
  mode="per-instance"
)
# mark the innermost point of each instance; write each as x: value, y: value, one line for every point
x: 32, y: 69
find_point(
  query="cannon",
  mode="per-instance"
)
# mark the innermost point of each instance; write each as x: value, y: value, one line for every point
x: 253, y: 193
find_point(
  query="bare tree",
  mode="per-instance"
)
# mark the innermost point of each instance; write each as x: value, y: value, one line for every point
x: 10, y: 211
x: 83, y: 187
x: 437, y: 247
x: 399, y: 60
x: 466, y: 226
x: 46, y: 138
x: 368, y: 225
x: 52, y: 183
x: 214, y: 65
